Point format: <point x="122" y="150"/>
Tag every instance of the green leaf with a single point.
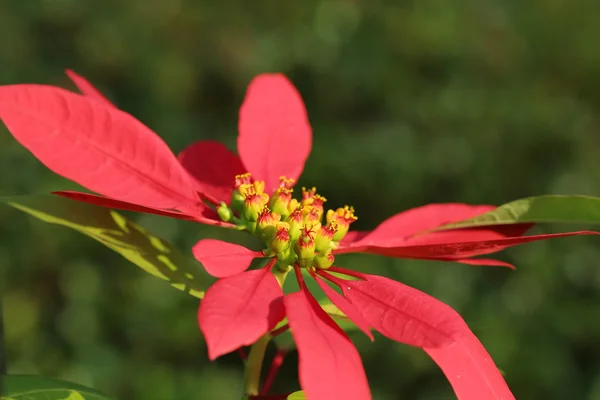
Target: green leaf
<point x="297" y="396"/>
<point x="32" y="387"/>
<point x="151" y="253"/>
<point x="538" y="209"/>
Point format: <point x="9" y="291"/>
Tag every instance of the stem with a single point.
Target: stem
<point x="280" y="330"/>
<point x="2" y="348"/>
<point x="273" y="370"/>
<point x="254" y="366"/>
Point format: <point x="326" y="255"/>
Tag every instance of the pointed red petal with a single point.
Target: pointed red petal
<point x="222" y="259"/>
<point x="410" y="316"/>
<point x="97" y="146"/>
<point x="204" y="215"/>
<point x="86" y="87"/>
<point x="485" y="261"/>
<point x="330" y="366"/>
<point x="345" y="306"/>
<point x="353" y="237"/>
<point x="460" y="250"/>
<point x="214" y="166"/>
<point x="238" y="310"/>
<point x="275" y="137"/>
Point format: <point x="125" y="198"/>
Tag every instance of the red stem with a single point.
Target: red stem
<point x="280" y="330"/>
<point x="273" y="370"/>
<point x="242" y="353"/>
<point x="271" y="262"/>
<point x="353" y="274"/>
<point x="208" y="199"/>
<point x="299" y="277"/>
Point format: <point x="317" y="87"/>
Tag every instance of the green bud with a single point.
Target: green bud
<point x="324" y="260"/>
<point x="305" y="248"/>
<point x="281" y="238"/>
<point x="224" y="212"/>
<point x="296" y="221"/>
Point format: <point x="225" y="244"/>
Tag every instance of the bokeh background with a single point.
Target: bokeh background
<point x="411" y="102"/>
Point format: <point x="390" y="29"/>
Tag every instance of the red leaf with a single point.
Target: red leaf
<point x="238" y="310"/>
<point x="468" y="235"/>
<point x="410" y="222"/>
<point x="330" y="366"/>
<point x="86" y="87"/>
<point x="204" y="215"/>
<point x="275" y="137"/>
<point x="344" y="305"/>
<point x="97" y="146"/>
<point x="470" y="369"/>
<point x="409" y="316"/>
<point x="404" y="228"/>
<point x="460" y="250"/>
<point x="222" y="259"/>
<point x="402" y="313"/>
<point x="214" y="166"/>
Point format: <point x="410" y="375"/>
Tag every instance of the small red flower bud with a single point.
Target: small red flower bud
<point x="281" y="238"/>
<point x="324" y="260"/>
<point x="296" y="221"/>
<point x="237" y="196"/>
<point x="343" y="217"/>
<point x="254" y="202"/>
<point x="311" y="200"/>
<point x="286" y="183"/>
<point x="325" y="236"/>
<point x="266" y="222"/>
<point x="308" y="194"/>
<point x="305" y="247"/>
<point x="281" y="201"/>
<point x="293" y="205"/>
<point x="243" y="179"/>
<point x="313" y="216"/>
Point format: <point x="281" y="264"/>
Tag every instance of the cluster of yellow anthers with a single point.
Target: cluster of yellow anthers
<point x="292" y="230"/>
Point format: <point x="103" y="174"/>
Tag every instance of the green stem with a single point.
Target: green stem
<point x="254" y="366"/>
<point x="2" y="346"/>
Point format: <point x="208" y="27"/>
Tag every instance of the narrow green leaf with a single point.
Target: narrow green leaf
<point x="151" y="253"/>
<point x="538" y="209"/>
<point x="32" y="387"/>
<point x="297" y="396"/>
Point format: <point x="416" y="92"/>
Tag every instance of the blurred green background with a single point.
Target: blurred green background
<point x="411" y="102"/>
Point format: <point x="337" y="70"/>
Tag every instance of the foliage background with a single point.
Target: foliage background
<point x="411" y="102"/>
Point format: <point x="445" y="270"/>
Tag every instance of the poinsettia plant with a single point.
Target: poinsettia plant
<point x="86" y="139"/>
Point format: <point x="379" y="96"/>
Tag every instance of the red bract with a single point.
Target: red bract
<point x="88" y="140"/>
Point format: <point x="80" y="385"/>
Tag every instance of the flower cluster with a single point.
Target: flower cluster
<point x="293" y="231"/>
<point x="86" y="139"/>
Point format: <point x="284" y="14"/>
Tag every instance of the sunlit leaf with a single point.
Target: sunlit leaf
<point x="538" y="209"/>
<point x="299" y="395"/>
<point x="149" y="252"/>
<point x="98" y="146"/>
<point x="31" y="387"/>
